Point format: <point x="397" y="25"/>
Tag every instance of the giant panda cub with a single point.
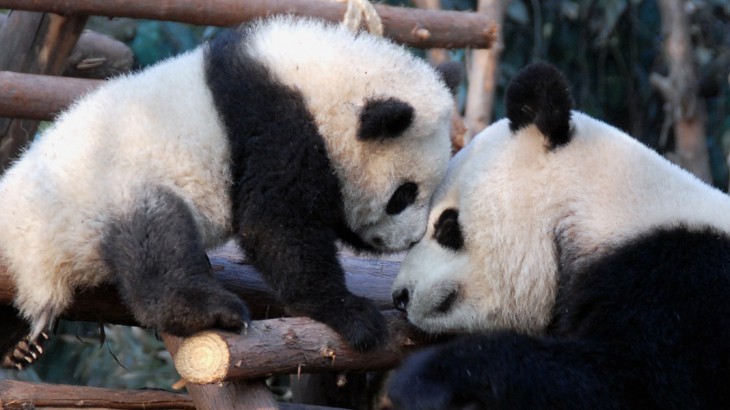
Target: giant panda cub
<point x="287" y="134"/>
<point x="590" y="272"/>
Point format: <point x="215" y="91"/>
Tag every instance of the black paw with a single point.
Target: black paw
<point x="419" y="385"/>
<point x="192" y="310"/>
<point x="24" y="353"/>
<point x="359" y="322"/>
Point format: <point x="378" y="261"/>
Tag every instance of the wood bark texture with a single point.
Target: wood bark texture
<point x="417" y="28"/>
<point x="25" y="395"/>
<point x="16" y="395"/>
<point x="233" y="395"/>
<point x="287" y="346"/>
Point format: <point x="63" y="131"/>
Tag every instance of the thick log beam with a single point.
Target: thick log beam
<point x="39" y="97"/>
<point x="15" y="395"/>
<point x="287" y="346"/>
<point x="415" y="27"/>
<point x="365" y="277"/>
<point x="24" y="395"/>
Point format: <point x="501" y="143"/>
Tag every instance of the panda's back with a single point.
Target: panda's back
<point x="155" y="128"/>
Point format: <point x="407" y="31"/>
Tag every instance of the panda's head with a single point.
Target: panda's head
<point x="532" y="199"/>
<point x="383" y="113"/>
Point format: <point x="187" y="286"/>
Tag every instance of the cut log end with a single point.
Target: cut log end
<point x="203" y="358"/>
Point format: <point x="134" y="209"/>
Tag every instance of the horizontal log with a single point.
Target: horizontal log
<point x="415" y="27"/>
<point x="39" y="97"/>
<point x="365" y="277"/>
<point x="288" y="346"/>
<point x="16" y="395"/>
<point x="25" y="395"/>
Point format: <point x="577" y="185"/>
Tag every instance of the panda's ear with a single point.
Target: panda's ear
<point x="539" y="94"/>
<point x="384" y="119"/>
<point x="452" y="73"/>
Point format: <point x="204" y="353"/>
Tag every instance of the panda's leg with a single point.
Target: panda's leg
<point x="156" y="256"/>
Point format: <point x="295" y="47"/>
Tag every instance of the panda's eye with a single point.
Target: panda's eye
<point x="447" y="230"/>
<point x="404" y="196"/>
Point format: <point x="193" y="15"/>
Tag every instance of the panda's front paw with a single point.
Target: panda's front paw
<point x="191" y="310"/>
<point x="421" y="384"/>
<point x="359" y="322"/>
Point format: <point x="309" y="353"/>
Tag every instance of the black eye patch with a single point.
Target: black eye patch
<point x="447" y="230"/>
<point x="403" y="197"/>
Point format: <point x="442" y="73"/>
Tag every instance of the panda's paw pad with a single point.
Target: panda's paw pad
<point x="361" y="324"/>
<point x="24" y="353"/>
<point x="205" y="309"/>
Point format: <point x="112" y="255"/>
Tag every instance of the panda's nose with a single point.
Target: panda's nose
<point x="401" y="299"/>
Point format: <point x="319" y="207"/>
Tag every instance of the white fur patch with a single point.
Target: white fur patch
<point x="517" y="200"/>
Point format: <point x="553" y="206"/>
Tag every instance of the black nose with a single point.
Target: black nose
<point x="400" y="299"/>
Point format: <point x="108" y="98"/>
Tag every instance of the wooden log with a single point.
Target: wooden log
<point x="234" y="395"/>
<point x="39" y="97"/>
<point x="24" y="395"/>
<point x="16" y="395"/>
<point x="417" y="28"/>
<point x="35" y="43"/>
<point x="365" y="277"/>
<point x="288" y="346"/>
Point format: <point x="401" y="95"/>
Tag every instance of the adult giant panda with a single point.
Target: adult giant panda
<point x="287" y="134"/>
<point x="591" y="272"/>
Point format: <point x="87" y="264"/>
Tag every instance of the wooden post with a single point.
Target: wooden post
<point x="484" y="74"/>
<point x="36" y="43"/>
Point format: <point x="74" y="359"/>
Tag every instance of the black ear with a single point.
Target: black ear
<point x="452" y="73"/>
<point x="384" y="118"/>
<point x="539" y="94"/>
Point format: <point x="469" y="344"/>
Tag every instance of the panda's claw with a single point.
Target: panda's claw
<point x="24" y="353"/>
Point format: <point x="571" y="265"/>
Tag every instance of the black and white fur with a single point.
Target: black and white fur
<point x="287" y="134"/>
<point x="590" y="272"/>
